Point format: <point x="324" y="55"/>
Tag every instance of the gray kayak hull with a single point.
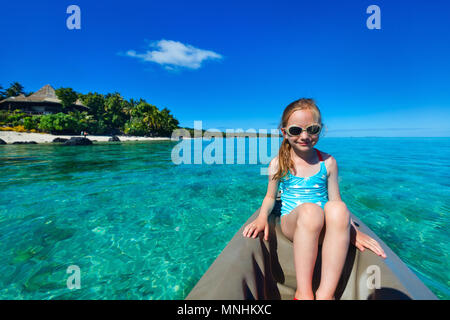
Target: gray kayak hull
<point x="257" y="269"/>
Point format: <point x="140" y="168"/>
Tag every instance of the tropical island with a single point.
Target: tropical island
<point x="64" y="111"/>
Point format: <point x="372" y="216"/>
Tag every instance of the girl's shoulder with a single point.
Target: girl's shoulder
<point x="325" y="156"/>
<point x="329" y="160"/>
<point x="274" y="161"/>
<point x="273" y="165"/>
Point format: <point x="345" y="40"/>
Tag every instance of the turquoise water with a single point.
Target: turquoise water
<point x="141" y="227"/>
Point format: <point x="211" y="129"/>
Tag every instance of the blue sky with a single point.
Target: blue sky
<point x="236" y="64"/>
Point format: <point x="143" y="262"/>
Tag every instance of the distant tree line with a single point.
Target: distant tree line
<point x="108" y="114"/>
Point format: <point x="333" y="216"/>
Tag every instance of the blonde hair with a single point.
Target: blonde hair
<point x="284" y="154"/>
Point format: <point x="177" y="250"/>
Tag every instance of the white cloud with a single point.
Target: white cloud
<point x="171" y="54"/>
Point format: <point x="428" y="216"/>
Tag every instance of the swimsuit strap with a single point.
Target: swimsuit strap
<point x="319" y="155"/>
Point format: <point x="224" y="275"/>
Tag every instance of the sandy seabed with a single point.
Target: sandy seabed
<point x="13" y="136"/>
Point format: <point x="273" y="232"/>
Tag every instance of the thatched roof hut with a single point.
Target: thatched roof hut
<point x="43" y="101"/>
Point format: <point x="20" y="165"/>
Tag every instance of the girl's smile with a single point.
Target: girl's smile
<point x="304" y="141"/>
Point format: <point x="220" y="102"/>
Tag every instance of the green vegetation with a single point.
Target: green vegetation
<point x="67" y="97"/>
<point x="108" y="114"/>
<point x="60" y="123"/>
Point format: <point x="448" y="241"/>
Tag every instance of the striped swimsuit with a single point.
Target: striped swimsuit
<point x="296" y="190"/>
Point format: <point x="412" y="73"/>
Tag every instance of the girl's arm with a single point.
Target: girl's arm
<point x="272" y="190"/>
<point x="360" y="240"/>
<point x="261" y="223"/>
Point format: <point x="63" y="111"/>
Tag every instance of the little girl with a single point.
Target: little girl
<point x="312" y="211"/>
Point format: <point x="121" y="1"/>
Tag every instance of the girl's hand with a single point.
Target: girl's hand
<point x="253" y="228"/>
<point x="362" y="241"/>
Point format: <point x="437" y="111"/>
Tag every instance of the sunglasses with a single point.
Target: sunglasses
<point x="312" y="129"/>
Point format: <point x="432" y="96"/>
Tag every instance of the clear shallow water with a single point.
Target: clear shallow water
<point x="140" y="227"/>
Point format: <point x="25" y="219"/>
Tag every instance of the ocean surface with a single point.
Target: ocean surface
<point x="139" y="226"/>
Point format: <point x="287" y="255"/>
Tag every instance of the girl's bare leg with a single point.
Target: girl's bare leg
<point x="334" y="248"/>
<point x="303" y="226"/>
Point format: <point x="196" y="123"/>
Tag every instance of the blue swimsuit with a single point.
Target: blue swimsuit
<point x="296" y="190"/>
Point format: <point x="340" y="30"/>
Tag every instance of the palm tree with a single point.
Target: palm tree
<point x="126" y="109"/>
<point x="169" y="123"/>
<point x="15" y="89"/>
<point x="2" y="93"/>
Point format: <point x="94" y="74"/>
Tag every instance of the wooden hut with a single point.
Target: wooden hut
<point x="43" y="101"/>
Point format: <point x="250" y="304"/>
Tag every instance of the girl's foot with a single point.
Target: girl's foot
<point x="321" y="296"/>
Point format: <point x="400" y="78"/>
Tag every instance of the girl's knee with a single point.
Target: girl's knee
<point x="337" y="214"/>
<point x="310" y="216"/>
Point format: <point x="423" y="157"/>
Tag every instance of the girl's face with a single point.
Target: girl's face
<point x="303" y="142"/>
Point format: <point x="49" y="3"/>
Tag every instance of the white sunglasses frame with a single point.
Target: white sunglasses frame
<point x="286" y="129"/>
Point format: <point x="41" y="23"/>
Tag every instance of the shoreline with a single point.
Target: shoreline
<point x="45" y="138"/>
<point x="42" y="138"/>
